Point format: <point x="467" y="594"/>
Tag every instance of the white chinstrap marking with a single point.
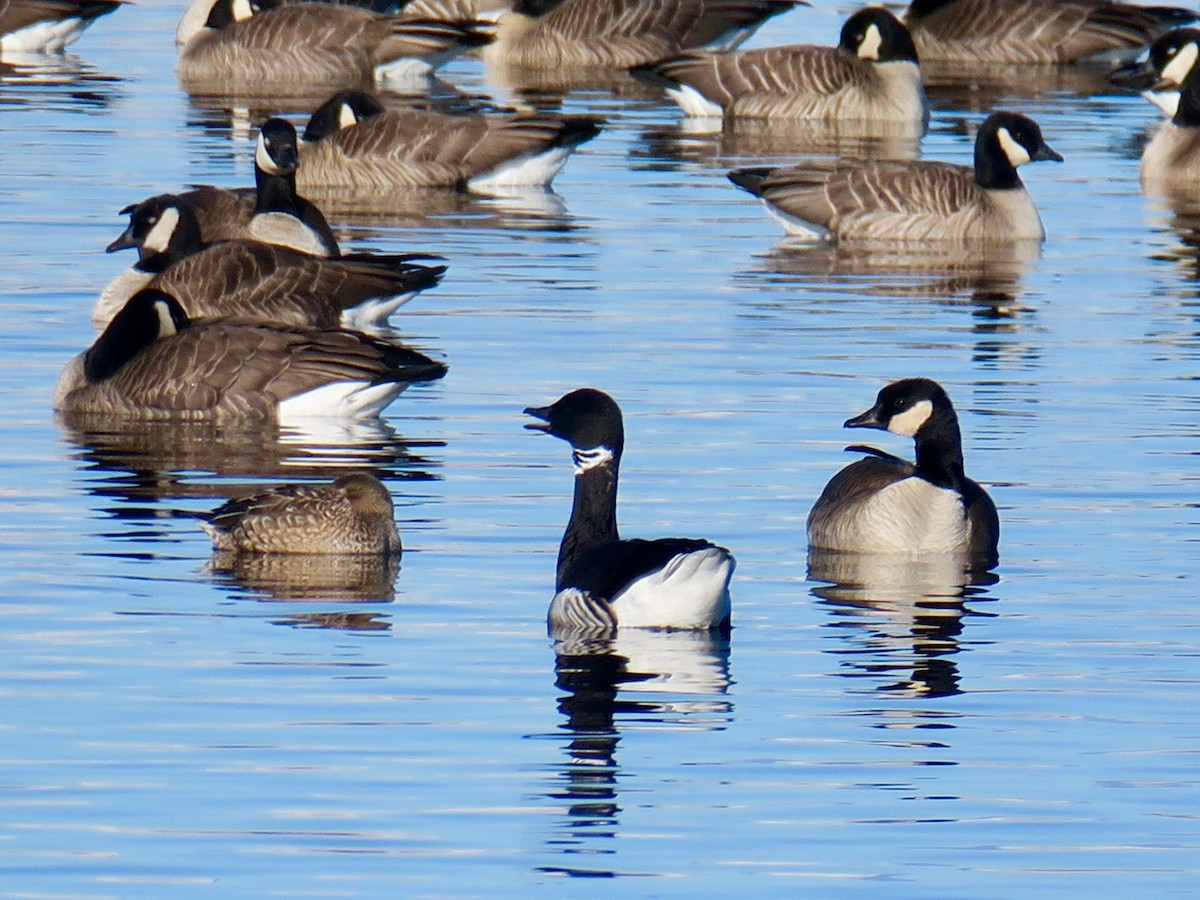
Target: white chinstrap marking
<point x="909" y="422"/>
<point x="346" y="117"/>
<point x="871" y="42"/>
<point x="1013" y="149"/>
<point x="166" y="325"/>
<point x="159" y="237"/>
<point x="263" y="159"/>
<point x="242" y="10"/>
<point x="1181" y="63"/>
<point x="586" y="460"/>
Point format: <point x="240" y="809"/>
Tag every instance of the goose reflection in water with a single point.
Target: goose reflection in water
<point x="721" y="145"/>
<point x="898" y="615"/>
<point x="56" y="81"/>
<point x="638" y="680"/>
<point x="339" y="578"/>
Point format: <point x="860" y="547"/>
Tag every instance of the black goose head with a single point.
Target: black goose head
<point x="343" y="110"/>
<point x="588" y="419"/>
<point x="225" y="12"/>
<point x="148" y="316"/>
<point x="160" y="228"/>
<point x="1005" y="141"/>
<point x="276" y="153"/>
<point x="1173" y="56"/>
<point x="906" y="408"/>
<point x="875" y="34"/>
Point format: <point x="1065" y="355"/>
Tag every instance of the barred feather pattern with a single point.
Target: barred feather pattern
<point x="414" y="148"/>
<point x="802" y="82"/>
<point x="901" y="202"/>
<point x="1028" y="31"/>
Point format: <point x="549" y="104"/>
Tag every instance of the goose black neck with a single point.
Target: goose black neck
<point x="535" y="8"/>
<point x="593" y="521"/>
<point x="921" y="8"/>
<point x="276" y="193"/>
<point x="993" y="169"/>
<point x="939" y="451"/>
<point x="1187" y="115"/>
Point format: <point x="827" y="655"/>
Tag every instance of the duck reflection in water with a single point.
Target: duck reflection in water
<point x="901" y="616"/>
<point x="638" y="680"/>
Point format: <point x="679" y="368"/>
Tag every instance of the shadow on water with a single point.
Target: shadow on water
<point x="636" y="681"/>
<point x="898" y="619"/>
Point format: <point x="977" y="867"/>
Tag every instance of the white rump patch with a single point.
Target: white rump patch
<point x="693" y="103"/>
<point x="586" y="460"/>
<point x="871" y="42"/>
<point x="159" y="237"/>
<point x="797" y="227"/>
<point x="43" y="37"/>
<point x="1016" y="153"/>
<point x="1181" y="63"/>
<point x="341" y="399"/>
<point x="691" y="591"/>
<point x="524" y="171"/>
<point x="909" y="422"/>
<point x="374" y="313"/>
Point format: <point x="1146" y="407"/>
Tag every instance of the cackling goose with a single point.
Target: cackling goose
<point x="256" y="281"/>
<point x="152" y="363"/>
<point x="912" y="201"/>
<point x="870" y="77"/>
<point x="1036" y="31"/>
<point x="353" y="143"/>
<point x="884" y="504"/>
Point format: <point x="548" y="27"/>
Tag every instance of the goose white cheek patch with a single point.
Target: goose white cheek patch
<point x="166" y="325"/>
<point x="1017" y="154"/>
<point x="263" y="159"/>
<point x="871" y="42"/>
<point x="909" y="422"/>
<point x="242" y="10"/>
<point x="586" y="460"/>
<point x="1177" y="69"/>
<point x="158" y="238"/>
<point x="346" y="117"/>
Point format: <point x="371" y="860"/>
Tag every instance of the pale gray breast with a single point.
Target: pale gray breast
<point x="1171" y="160"/>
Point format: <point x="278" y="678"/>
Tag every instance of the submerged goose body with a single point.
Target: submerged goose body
<point x="604" y="582"/>
<point x="153" y="363"/>
<point x="255" y="281"/>
<point x="229" y="46"/>
<point x="352" y="142"/>
<point x="352" y="514"/>
<point x="1036" y="31"/>
<point x="912" y="201"/>
<point x="884" y="504"/>
<point x="548" y="34"/>
<point x="872" y="76"/>
<point x="48" y="26"/>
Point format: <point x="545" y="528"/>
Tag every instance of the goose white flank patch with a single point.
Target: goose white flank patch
<point x="884" y="504"/>
<point x="153" y="363"/>
<point x="871" y="76"/>
<point x="48" y="26"/>
<point x="228" y="46"/>
<point x="604" y="582"/>
<point x="353" y="143"/>
<point x="912" y="201"/>
<point x="256" y="281"/>
<point x="353" y="514"/>
<point x="1037" y="31"/>
<point x="554" y="34"/>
